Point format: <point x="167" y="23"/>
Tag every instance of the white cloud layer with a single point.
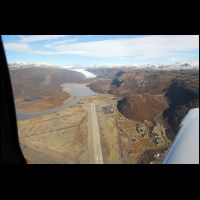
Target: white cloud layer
<point x="67" y="41"/>
<point x="34" y="38"/>
<point x="149" y="46"/>
<point x="18" y="47"/>
<point x="138" y="48"/>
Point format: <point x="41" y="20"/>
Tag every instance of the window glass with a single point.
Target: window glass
<point x="112" y="99"/>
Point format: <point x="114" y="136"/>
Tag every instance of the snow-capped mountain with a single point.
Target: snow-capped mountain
<point x="23" y="65"/>
<point x="174" y="66"/>
<point x="180" y="66"/>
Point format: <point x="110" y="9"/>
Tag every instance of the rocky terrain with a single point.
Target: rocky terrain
<point x="142" y="107"/>
<point x="146" y="93"/>
<point x="138" y="112"/>
<point x="154" y="96"/>
<point x="182" y="95"/>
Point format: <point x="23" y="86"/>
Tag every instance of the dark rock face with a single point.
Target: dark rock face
<point x="119" y="73"/>
<point x="181" y="98"/>
<point x="116" y="82"/>
<point x="122" y="102"/>
<point x="179" y="93"/>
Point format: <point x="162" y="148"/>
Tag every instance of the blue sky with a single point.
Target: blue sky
<point x="101" y="49"/>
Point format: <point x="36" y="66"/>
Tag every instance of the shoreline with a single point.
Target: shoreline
<point x="76" y="91"/>
<point x="27" y="111"/>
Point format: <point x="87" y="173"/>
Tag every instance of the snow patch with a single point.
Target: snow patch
<point x="84" y="72"/>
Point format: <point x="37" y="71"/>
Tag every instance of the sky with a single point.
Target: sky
<point x="70" y="50"/>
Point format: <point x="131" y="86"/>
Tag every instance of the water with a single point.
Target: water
<point x="76" y="90"/>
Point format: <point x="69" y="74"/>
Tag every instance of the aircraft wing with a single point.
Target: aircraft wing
<point x="185" y="148"/>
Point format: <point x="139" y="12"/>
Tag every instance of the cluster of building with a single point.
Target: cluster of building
<point x="156" y="135"/>
<point x="138" y="131"/>
<point x="108" y="109"/>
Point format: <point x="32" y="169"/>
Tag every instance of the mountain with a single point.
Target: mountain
<point x="141" y="107"/>
<point x="35" y="85"/>
<point x="180" y="66"/>
<point x="23" y="65"/>
<point x="92" y="68"/>
<point x="149" y="94"/>
<point x="173" y="66"/>
<point x="182" y="95"/>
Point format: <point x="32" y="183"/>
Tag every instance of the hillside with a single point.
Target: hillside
<point x="146" y="93"/>
<point x="142" y="107"/>
<point x="38" y="88"/>
<point x="182" y="95"/>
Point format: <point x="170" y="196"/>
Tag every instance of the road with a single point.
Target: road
<point x="94" y="144"/>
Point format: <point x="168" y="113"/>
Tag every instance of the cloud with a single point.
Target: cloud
<point x="25" y="48"/>
<point x="19" y="47"/>
<point x="35" y="38"/>
<point x="148" y="46"/>
<point x="52" y="45"/>
<point x="123" y="58"/>
<point x="138" y="48"/>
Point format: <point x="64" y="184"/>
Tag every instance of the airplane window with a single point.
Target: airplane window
<point x="101" y="99"/>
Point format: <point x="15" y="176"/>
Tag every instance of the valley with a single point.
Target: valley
<point x="65" y="136"/>
<point x="118" y="116"/>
